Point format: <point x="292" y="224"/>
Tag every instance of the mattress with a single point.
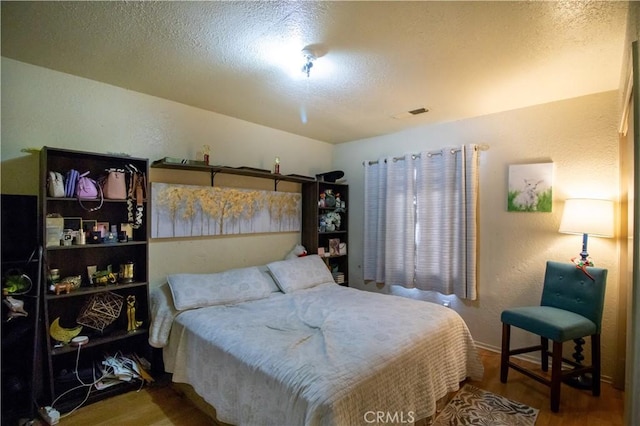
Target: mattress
<point x="326" y="355"/>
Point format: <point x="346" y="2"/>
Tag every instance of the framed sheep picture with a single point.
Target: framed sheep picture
<point x="530" y="187"/>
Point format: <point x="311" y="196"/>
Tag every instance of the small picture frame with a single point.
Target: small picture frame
<point x="530" y="188"/>
<point x="89" y="225"/>
<point x="73" y="223"/>
<point x="321" y="251"/>
<point x="334" y="246"/>
<point x="103" y="228"/>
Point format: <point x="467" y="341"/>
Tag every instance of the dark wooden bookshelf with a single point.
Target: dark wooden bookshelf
<point x="72" y="260"/>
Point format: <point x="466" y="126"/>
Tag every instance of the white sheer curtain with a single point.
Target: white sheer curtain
<point x="420" y="221"/>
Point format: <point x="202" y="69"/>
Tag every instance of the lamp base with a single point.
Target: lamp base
<point x="583" y="381"/>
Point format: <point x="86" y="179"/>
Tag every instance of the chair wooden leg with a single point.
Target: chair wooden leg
<point x="544" y="353"/>
<point x="504" y="356"/>
<point x="595" y="363"/>
<point x="556" y="376"/>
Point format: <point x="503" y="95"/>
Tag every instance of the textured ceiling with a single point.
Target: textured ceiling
<point x="379" y="59"/>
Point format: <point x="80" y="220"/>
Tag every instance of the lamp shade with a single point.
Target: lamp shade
<point x="587" y="216"/>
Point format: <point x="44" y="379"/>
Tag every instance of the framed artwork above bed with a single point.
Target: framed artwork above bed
<point x="200" y="211"/>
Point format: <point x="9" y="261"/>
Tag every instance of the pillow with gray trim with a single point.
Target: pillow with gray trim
<point x="228" y="287"/>
<point x="300" y="273"/>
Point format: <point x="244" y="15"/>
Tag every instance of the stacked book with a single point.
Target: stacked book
<point x="173" y="160"/>
<point x="338" y="277"/>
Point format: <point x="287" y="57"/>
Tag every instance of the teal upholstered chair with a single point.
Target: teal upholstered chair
<point x="571" y="308"/>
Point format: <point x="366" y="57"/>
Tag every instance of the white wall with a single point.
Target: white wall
<point x="41" y="107"/>
<point x="579" y="136"/>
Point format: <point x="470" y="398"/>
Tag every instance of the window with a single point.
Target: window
<point x="420" y="221"/>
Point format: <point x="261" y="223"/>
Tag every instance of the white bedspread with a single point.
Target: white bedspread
<point x="328" y="355"/>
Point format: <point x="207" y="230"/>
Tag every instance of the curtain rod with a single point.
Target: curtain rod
<point x="483" y="147"/>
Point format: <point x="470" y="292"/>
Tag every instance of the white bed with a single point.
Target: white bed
<point x="314" y="353"/>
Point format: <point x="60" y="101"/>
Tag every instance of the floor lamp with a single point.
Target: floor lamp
<point x="586" y="217"/>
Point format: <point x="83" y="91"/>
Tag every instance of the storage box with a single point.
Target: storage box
<point x="55" y="227"/>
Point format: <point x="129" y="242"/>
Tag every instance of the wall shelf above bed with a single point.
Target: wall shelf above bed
<point x="241" y="171"/>
<point x="314" y="237"/>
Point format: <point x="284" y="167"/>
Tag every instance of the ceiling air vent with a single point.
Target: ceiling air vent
<point x="411" y="113"/>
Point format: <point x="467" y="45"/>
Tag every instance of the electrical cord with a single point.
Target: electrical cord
<point x="108" y="370"/>
<point x="82" y="385"/>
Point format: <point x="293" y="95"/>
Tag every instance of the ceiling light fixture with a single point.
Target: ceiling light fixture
<point x="309" y="56"/>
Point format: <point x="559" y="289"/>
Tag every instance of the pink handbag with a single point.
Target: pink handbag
<point x="114" y="185"/>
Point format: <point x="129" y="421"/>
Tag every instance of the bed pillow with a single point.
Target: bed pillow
<point x="264" y="270"/>
<point x="300" y="273"/>
<point x="233" y="286"/>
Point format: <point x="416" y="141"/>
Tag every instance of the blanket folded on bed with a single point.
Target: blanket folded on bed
<point x="162" y="315"/>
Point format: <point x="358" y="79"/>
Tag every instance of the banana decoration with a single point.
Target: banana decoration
<point x="63" y="335"/>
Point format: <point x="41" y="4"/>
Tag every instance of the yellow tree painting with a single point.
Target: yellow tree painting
<point x="196" y="211"/>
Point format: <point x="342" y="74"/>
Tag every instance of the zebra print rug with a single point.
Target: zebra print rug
<point x="474" y="406"/>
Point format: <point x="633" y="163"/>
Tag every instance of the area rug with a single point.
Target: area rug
<point x="474" y="406"/>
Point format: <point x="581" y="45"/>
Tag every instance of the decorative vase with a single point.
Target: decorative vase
<point x="331" y="227"/>
<point x="330" y="200"/>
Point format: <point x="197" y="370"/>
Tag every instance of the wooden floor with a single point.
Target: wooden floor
<point x="162" y="405"/>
